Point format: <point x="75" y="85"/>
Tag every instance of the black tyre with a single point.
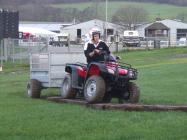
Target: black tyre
<point x="94" y="89"/>
<point x="132" y="94"/>
<point x="34" y="88"/>
<point x="66" y="89"/>
<point x="107" y="97"/>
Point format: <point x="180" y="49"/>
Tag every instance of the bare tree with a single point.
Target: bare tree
<point x="130" y="16"/>
<point x="182" y="17"/>
<point x="22" y="2"/>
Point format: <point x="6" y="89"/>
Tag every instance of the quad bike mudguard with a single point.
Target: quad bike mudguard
<point x="78" y="74"/>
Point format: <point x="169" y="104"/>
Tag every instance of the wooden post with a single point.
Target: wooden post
<point x="169" y="45"/>
<point x="68" y="42"/>
<point x="186" y="39"/>
<point x="117" y="40"/>
<point x="146" y="36"/>
<point x="1" y="54"/>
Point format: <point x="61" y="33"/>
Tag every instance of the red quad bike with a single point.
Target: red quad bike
<point x="101" y="81"/>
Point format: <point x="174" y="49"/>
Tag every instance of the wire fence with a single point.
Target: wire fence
<point x="20" y="49"/>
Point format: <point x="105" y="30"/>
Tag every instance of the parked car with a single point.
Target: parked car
<point x="182" y="42"/>
<point x="59" y="40"/>
<point x="131" y="38"/>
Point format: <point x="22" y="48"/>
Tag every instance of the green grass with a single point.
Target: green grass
<point x="17" y="67"/>
<point x="162" y="74"/>
<point x="155" y="10"/>
<point x="162" y="80"/>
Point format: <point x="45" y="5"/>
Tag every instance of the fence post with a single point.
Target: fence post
<point x="13" y="50"/>
<point x="117" y="40"/>
<point x="1" y="54"/>
<point x="68" y="44"/>
<point x="169" y="39"/>
<point x="147" y="44"/>
<point x="5" y="45"/>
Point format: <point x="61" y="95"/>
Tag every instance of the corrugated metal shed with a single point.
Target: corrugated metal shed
<point x="86" y="26"/>
<point x="173" y="26"/>
<point x="157" y="26"/>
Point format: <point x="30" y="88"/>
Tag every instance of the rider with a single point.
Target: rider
<point x="94" y="47"/>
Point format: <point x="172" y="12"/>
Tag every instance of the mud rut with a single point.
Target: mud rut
<point x="122" y="107"/>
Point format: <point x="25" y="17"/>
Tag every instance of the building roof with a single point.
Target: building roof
<point x="174" y="23"/>
<point x="157" y="26"/>
<point x="51" y="26"/>
<point x="168" y="23"/>
<point x="36" y="31"/>
<point x="94" y="22"/>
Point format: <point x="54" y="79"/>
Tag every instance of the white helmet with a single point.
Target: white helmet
<point x="94" y="31"/>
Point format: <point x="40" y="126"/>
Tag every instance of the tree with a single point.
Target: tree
<point x="130" y="16"/>
<point x="182" y="17"/>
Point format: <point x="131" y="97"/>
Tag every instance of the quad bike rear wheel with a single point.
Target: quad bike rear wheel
<point x="94" y="89"/>
<point x="66" y="89"/>
<point x="132" y="94"/>
<point x="34" y="88"/>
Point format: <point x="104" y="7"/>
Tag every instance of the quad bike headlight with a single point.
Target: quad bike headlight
<point x="131" y="73"/>
<point x="111" y="71"/>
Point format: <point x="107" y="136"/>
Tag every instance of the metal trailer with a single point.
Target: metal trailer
<point x="48" y="70"/>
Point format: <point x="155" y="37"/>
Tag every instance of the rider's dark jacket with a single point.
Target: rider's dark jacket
<point x="97" y="57"/>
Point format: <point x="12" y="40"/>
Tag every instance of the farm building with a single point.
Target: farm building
<point x="78" y="31"/>
<point x="50" y="26"/>
<point x="171" y="30"/>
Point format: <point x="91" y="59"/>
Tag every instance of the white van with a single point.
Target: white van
<point x="131" y="38"/>
<point x="60" y="39"/>
<point x="182" y="42"/>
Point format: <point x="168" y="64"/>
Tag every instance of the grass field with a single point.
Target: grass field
<point x="162" y="79"/>
<point x="155" y="10"/>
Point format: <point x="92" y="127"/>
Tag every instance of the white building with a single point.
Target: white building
<point x="77" y="31"/>
<point x="171" y="30"/>
<point x="37" y="32"/>
<point x="50" y="26"/>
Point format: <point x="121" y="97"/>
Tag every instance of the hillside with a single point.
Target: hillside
<point x="155" y="10"/>
<point x="60" y="11"/>
<point x="22" y="2"/>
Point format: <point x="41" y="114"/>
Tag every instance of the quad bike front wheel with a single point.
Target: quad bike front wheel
<point x="107" y="97"/>
<point x="34" y="88"/>
<point x="94" y="89"/>
<point x="132" y="94"/>
<point x="66" y="89"/>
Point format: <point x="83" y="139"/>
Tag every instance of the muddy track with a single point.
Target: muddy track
<point x="122" y="107"/>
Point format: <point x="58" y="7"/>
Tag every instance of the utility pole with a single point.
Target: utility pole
<point x="106" y="19"/>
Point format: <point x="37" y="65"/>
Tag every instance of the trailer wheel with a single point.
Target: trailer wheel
<point x="94" y="89"/>
<point x="66" y="89"/>
<point x="133" y="93"/>
<point x="34" y="88"/>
